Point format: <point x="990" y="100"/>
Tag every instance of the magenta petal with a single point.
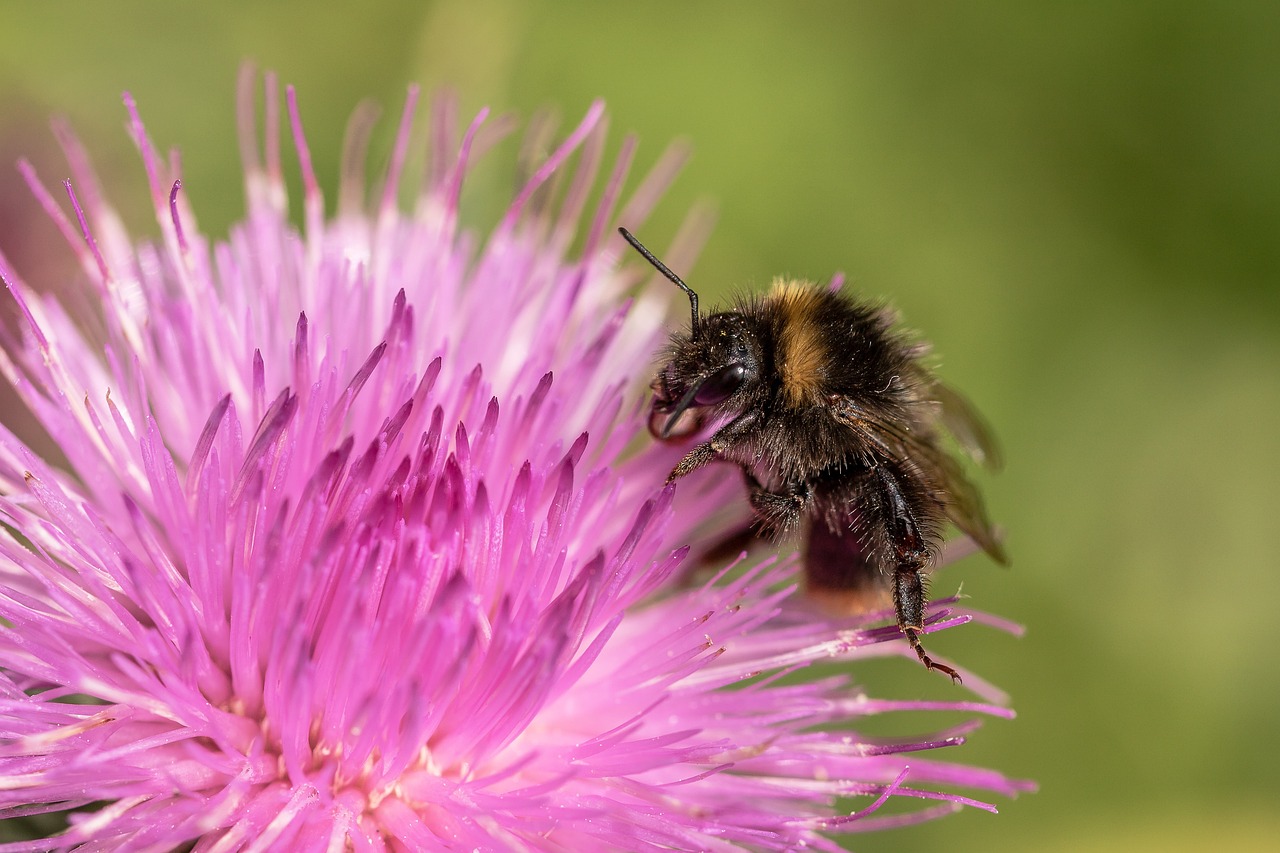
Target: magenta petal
<point x="355" y="549"/>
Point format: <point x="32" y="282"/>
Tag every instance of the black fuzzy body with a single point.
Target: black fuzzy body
<point x="833" y="420"/>
<point x="813" y="350"/>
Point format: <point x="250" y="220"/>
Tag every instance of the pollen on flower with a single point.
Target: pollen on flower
<point x="356" y="547"/>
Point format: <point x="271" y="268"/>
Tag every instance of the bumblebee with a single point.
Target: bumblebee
<point x="836" y="424"/>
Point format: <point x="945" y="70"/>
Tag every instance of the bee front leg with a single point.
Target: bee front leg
<point x="716" y="447"/>
<point x="901" y="510"/>
<point x="695" y="459"/>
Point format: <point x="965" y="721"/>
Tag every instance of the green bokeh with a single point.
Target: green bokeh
<point x="1077" y="202"/>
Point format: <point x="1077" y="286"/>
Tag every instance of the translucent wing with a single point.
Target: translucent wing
<point x="969" y="428"/>
<point x="961" y="498"/>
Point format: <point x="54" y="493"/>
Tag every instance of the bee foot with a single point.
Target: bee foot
<point x="929" y="662"/>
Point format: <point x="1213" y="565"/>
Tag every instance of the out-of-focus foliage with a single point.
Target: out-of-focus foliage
<point x="1078" y="204"/>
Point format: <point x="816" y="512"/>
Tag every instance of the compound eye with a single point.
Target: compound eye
<point x="720" y="385"/>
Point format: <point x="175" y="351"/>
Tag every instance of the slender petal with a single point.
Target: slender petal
<point x="356" y="546"/>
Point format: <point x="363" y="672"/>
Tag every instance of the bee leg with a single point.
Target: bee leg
<point x="911" y="556"/>
<point x="777" y="512"/>
<point x="908" y="600"/>
<point x="693" y="460"/>
<point x="712" y="449"/>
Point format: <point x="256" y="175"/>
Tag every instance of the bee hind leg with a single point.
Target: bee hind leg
<point x="910" y="556"/>
<point x="908" y="600"/>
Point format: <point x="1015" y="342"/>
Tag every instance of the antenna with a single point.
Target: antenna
<point x="662" y="268"/>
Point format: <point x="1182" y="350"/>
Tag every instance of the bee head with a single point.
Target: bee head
<point x="716" y="362"/>
<point x="717" y="367"/>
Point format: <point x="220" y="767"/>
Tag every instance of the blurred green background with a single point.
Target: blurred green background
<point x="1078" y="203"/>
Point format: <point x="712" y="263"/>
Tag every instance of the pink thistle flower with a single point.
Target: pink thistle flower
<point x="353" y="547"/>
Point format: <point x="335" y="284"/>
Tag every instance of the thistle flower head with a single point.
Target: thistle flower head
<point x="353" y="547"/>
